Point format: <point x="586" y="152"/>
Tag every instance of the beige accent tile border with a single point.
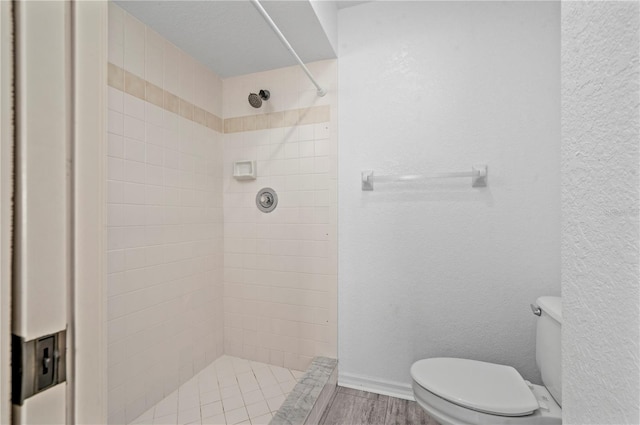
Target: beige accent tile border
<point x="155" y="95"/>
<point x="171" y="102"/>
<point x="115" y="77"/>
<point x="186" y="110"/>
<point x="130" y="83"/>
<point x="134" y="85"/>
<point x="289" y="118"/>
<point x="125" y="81"/>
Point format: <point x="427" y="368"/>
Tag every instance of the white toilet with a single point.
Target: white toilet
<point x="460" y="391"/>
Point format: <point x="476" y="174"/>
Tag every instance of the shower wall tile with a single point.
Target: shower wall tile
<point x="116" y="35"/>
<point x="164" y="226"/>
<point x="280" y="269"/>
<point x="134" y="45"/>
<point x="143" y="53"/>
<point x="171" y="73"/>
<point x="154" y="57"/>
<point x="186" y="67"/>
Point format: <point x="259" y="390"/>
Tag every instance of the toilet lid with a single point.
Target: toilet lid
<point x="485" y="387"/>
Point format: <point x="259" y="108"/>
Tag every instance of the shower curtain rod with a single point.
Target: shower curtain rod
<point x="265" y="15"/>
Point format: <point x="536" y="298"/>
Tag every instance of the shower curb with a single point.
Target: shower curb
<point x="308" y="399"/>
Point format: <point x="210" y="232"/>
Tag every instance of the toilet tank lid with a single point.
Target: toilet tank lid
<point x="552" y="306"/>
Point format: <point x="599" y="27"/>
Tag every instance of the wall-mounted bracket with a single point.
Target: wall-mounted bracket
<point x="479" y="176"/>
<point x="367" y="180"/>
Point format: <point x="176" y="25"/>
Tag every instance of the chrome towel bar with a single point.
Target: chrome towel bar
<point x="478" y="176"/>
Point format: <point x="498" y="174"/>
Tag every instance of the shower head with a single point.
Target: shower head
<point x="255" y="100"/>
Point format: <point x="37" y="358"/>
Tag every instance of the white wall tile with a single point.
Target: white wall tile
<point x="186" y="69"/>
<point x="171" y="68"/>
<point x="170" y="140"/>
<point x="154" y="58"/>
<point x="133" y="106"/>
<point x="115" y="235"/>
<point x="155" y="154"/>
<point x="155" y="175"/>
<point x="114" y="192"/>
<point x="172" y="159"/>
<point x="133" y="193"/>
<point x="115" y="145"/>
<point x="116" y="24"/>
<point x="135" y="258"/>
<point x="154" y="214"/>
<point x="134" y="150"/>
<point x="134" y="172"/>
<point x="115" y="99"/>
<point x="115" y="122"/>
<point x="115" y="169"/>
<point x="116" y="54"/>
<point x="154" y="114"/>
<point x="155" y="195"/>
<point x="116" y="35"/>
<point x="155" y="135"/>
<point x="115" y="261"/>
<point x="134" y="42"/>
<point x="133" y="215"/>
<point x="134" y="128"/>
<point x="199" y="81"/>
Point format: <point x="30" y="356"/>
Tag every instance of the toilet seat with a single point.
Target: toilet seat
<point x="484" y="387"/>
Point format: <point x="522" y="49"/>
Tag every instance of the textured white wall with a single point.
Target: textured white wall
<point x="600" y="195"/>
<point x="444" y="269"/>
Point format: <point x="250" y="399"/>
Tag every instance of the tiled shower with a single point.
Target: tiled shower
<point x="280" y="268"/>
<point x="195" y="271"/>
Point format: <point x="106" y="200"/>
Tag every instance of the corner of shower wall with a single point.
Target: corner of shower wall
<point x="164" y="217"/>
<point x="280" y="268"/>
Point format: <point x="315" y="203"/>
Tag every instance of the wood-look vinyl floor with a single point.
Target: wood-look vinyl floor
<point x="353" y="407"/>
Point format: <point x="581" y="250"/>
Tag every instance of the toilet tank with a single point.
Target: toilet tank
<point x="548" y="352"/>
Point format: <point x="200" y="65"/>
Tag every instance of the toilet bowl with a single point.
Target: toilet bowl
<point x="463" y="392"/>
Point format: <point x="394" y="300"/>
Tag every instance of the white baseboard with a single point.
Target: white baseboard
<point x="375" y="385"/>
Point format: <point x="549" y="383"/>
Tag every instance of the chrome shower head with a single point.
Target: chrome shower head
<point x="255" y="100"/>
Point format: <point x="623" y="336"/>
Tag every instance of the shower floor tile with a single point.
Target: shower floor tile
<point x="229" y="391"/>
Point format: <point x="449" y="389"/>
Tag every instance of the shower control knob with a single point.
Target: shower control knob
<point x="266" y="200"/>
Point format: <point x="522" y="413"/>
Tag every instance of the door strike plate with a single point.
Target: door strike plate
<point x="37" y="365"/>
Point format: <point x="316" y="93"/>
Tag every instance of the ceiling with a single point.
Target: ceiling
<point x="232" y="38"/>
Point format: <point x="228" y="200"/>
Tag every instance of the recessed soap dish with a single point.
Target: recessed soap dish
<point x="244" y="170"/>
